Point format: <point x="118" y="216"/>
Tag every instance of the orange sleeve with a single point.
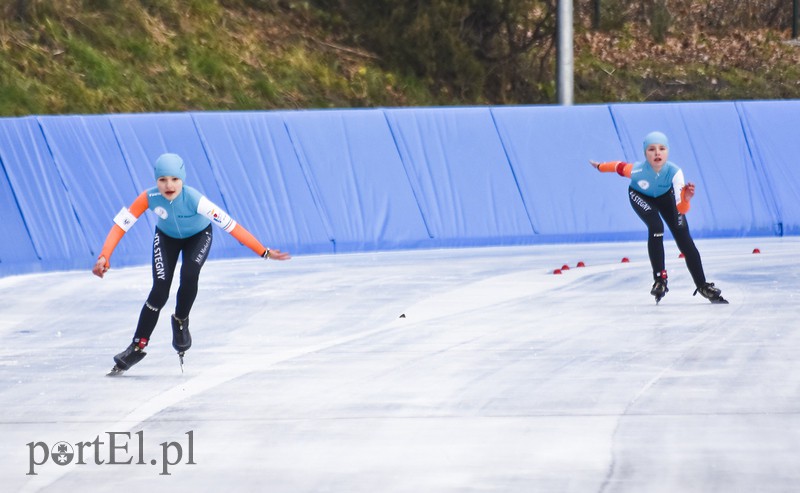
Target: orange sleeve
<point x="111" y="242"/>
<point x="245" y="237"/>
<point x="139" y="205"/>
<point x="137" y="208"/>
<point x="620" y="167"/>
<point x="683" y="205"/>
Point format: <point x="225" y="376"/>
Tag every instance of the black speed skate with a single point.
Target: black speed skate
<point x="711" y="293"/>
<point x="181" y="338"/>
<point x="132" y="355"/>
<point x="660" y="286"/>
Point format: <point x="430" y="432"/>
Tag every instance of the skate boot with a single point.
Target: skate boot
<point x="132" y="355"/>
<point x="711" y="293"/>
<point x="660" y="286"/>
<point x="181" y="338"/>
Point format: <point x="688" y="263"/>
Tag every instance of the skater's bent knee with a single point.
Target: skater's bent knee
<point x="156" y="301"/>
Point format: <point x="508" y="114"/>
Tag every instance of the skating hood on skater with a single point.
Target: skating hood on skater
<point x="655" y="138"/>
<point x="170" y="165"/>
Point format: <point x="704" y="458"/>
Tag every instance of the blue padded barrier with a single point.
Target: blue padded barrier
<point x="94" y="171"/>
<point x="260" y="177"/>
<point x="356" y="177"/>
<point x="41" y="196"/>
<point x="707" y="142"/>
<point x="460" y="175"/>
<point x="772" y="134"/>
<point x="17" y="254"/>
<point x="549" y="148"/>
<point x="357" y="180"/>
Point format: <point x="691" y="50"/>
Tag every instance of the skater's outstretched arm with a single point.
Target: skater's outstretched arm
<point x="122" y="223"/>
<point x="620" y="167"/>
<point x="250" y="241"/>
<point x="227" y="223"/>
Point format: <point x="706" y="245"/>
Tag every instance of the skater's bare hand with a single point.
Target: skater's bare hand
<point x="594" y="164"/>
<point x="275" y="254"/>
<point x="100" y="267"/>
<point x="688" y="191"/>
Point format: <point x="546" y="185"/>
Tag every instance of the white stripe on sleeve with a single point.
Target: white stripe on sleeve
<point x="216" y="214"/>
<point x="678" y="184"/>
<point x="124" y="219"/>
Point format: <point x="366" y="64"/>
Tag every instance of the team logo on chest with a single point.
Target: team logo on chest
<point x="161" y="212"/>
<point x="643" y="184"/>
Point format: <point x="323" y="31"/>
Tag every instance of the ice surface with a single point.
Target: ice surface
<point x="501" y="377"/>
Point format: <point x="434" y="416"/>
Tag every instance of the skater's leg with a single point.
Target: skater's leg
<point x="647" y="212"/>
<point x="679" y="227"/>
<point x="690" y="253"/>
<point x="165" y="258"/>
<point x="195" y="252"/>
